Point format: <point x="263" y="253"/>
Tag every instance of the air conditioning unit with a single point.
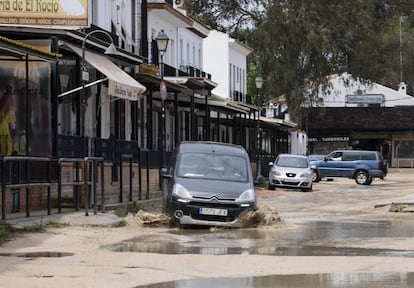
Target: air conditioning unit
<point x="178" y="3"/>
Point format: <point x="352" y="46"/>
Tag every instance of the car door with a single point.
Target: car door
<point x="350" y="160"/>
<point x="331" y="165"/>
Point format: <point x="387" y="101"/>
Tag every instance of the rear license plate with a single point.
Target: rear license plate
<point x="213" y="211"/>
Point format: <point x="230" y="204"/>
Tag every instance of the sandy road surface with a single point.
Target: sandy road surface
<point x="92" y="266"/>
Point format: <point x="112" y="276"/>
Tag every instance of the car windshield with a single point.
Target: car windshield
<point x="295" y="162"/>
<point x="215" y="167"/>
<point x="316" y="157"/>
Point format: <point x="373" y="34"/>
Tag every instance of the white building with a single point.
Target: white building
<point x="225" y="58"/>
<point x="345" y="91"/>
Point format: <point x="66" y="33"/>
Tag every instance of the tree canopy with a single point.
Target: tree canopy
<point x="297" y="43"/>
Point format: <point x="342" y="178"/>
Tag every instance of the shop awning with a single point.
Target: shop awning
<point x="21" y="48"/>
<point x="195" y="83"/>
<point x="120" y="85"/>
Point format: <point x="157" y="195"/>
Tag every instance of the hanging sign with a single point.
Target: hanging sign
<point x="58" y="14"/>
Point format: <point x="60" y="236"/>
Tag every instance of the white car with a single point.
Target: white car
<point x="291" y="171"/>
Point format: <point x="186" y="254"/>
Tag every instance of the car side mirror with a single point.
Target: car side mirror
<point x="270" y="163"/>
<point x="165" y="174"/>
<point x="325" y="159"/>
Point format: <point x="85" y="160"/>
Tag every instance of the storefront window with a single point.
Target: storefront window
<point x="25" y="108"/>
<point x="404" y="149"/>
<point x="68" y="80"/>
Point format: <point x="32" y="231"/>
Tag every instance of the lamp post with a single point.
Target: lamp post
<point x="259" y="84"/>
<point x="111" y="50"/>
<point x="162" y="44"/>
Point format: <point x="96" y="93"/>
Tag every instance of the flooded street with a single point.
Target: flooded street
<point x="313" y="239"/>
<point x="339" y="235"/>
<point x="335" y="280"/>
<point x="339" y="218"/>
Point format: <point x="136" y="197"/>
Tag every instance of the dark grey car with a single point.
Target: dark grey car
<point x="208" y="183"/>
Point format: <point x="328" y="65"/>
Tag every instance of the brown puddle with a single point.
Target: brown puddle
<point x="331" y="280"/>
<point x="273" y="237"/>
<point x="44" y="254"/>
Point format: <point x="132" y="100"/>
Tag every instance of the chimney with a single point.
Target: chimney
<point x="402" y="88"/>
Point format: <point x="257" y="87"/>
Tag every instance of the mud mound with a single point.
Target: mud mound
<point x="146" y="219"/>
<point x="397" y="207"/>
<point x="262" y="217"/>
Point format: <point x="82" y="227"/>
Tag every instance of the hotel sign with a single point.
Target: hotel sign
<point x="58" y="14"/>
<point x="365" y="99"/>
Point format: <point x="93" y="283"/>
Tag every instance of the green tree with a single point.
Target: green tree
<point x="228" y="16"/>
<point x="298" y="44"/>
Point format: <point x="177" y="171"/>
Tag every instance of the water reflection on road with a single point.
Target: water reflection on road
<point x="319" y="238"/>
<point x="332" y="280"/>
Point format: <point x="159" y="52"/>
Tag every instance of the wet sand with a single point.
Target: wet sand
<point x="91" y="265"/>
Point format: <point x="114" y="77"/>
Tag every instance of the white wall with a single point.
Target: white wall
<point x="298" y="142"/>
<point x="216" y="61"/>
<point x="238" y="60"/>
<point x="225" y="59"/>
<point x="102" y="13"/>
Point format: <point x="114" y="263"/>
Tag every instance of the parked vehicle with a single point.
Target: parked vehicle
<point x="208" y="183"/>
<point x="315" y="157"/>
<point x="361" y="165"/>
<point x="290" y="171"/>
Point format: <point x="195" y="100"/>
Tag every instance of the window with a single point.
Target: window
<point x="351" y="156"/>
<point x="188" y="52"/>
<point x="181" y="52"/>
<point x="368" y="156"/>
<point x="404" y="149"/>
<point x="194" y="56"/>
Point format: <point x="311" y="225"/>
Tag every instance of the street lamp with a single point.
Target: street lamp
<point x="259" y="177"/>
<point x="162" y="44"/>
<point x="111" y="50"/>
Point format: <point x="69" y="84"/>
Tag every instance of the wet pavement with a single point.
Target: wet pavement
<point x="42" y="254"/>
<point x="337" y="219"/>
<point x="332" y="280"/>
<point x="322" y="238"/>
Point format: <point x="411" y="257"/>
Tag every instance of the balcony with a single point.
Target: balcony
<point x="185" y="71"/>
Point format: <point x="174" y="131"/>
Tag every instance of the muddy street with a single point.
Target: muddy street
<point x="340" y="235"/>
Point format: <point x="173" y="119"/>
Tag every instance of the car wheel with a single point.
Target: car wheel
<point x="363" y="178"/>
<point x="315" y="176"/>
<point x="270" y="187"/>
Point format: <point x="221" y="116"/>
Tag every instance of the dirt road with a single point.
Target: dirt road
<point x="79" y="259"/>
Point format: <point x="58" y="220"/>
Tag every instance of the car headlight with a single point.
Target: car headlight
<point x="247" y="196"/>
<point x="305" y="175"/>
<point x="276" y="173"/>
<point x="180" y="191"/>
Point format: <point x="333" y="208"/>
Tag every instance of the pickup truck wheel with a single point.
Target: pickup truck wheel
<point x="362" y="178"/>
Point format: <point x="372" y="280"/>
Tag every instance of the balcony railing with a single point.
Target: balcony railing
<point x="109" y="149"/>
<point x="185" y="71"/>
